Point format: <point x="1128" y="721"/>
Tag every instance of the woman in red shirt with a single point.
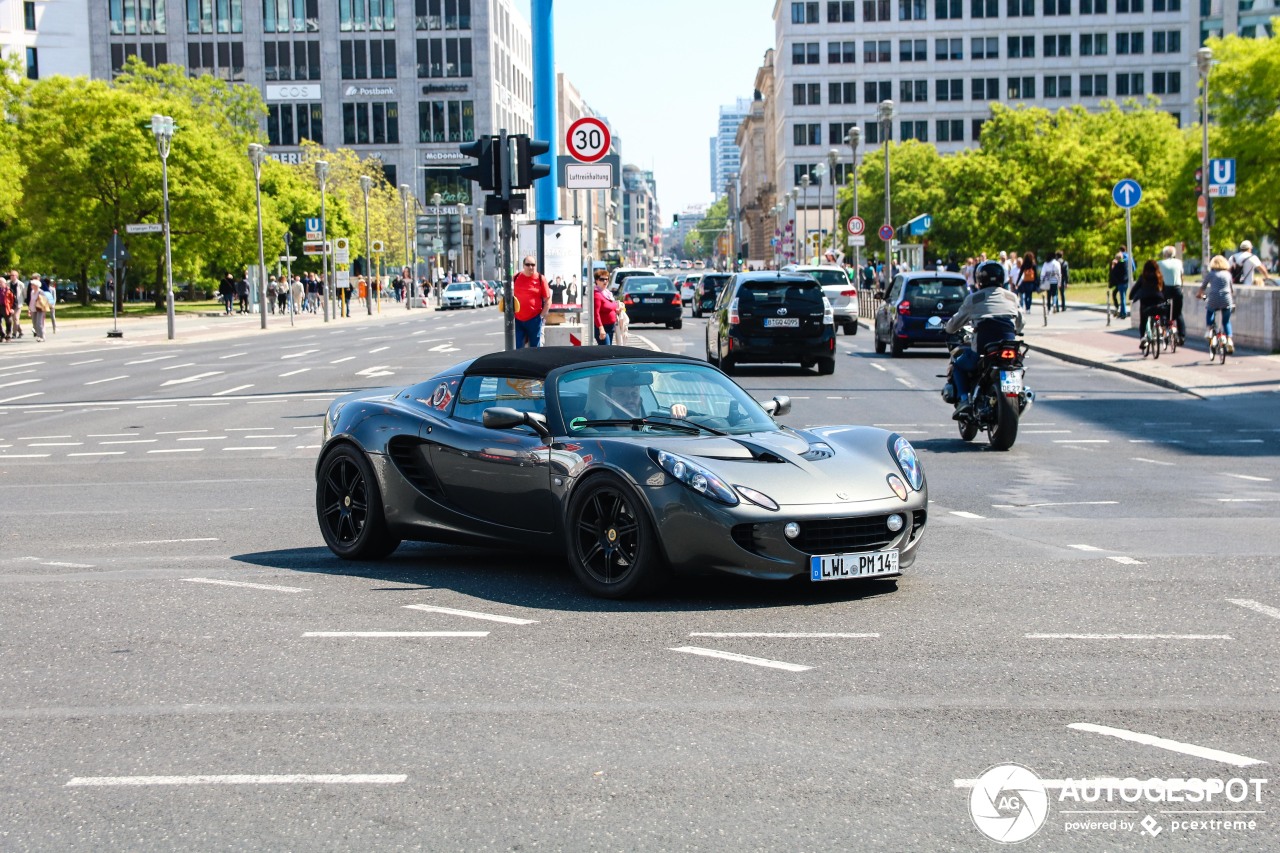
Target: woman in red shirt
<point x="606" y="309"/>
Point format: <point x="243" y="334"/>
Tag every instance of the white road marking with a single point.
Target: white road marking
<point x="113" y="435"/>
<point x="1062" y="503"/>
<point x="24" y="455"/>
<point x="99" y="453"/>
<point x="131" y="441"/>
<point x="294" y="372"/>
<point x="108" y="379"/>
<point x="55" y="444"/>
<point x="963" y="514"/>
<point x="39" y="437"/>
<point x="765" y="662"/>
<point x="471" y="614"/>
<point x="179" y="431"/>
<point x="784" y="635"/>
<point x="396" y="634"/>
<point x="307" y="447"/>
<point x="18" y="382"/>
<point x="195" y="378"/>
<point x="298" y="354"/>
<point x="232" y="390"/>
<point x="18" y="373"/>
<point x="1082" y="441"/>
<point x="249" y="448"/>
<point x="1129" y="637"/>
<point x="86" y="361"/>
<point x="273" y="435"/>
<point x="271" y="587"/>
<point x="22" y="397"/>
<point x="69" y="565"/>
<point x="1086" y="548"/>
<point x="904" y="381"/>
<point x="1152" y="461"/>
<point x="160" y="406"/>
<point x="176" y="366"/>
<point x="170" y="541"/>
<point x="1127" y="561"/>
<point x="377" y="349"/>
<point x="231" y="355"/>
<point x="1247" y="500"/>
<point x="879" y="367"/>
<point x="290" y="779"/>
<point x="179" y="450"/>
<point x="1171" y="745"/>
<point x="1248" y="477"/>
<point x="341" y="360"/>
<point x="1235" y="441"/>
<point x="1265" y="609"/>
<point x="149" y="360"/>
<point x="248" y="429"/>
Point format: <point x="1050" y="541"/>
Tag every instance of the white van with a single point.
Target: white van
<point x="622" y="273"/>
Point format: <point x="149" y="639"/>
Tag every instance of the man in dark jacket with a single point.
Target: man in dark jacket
<point x="227" y="290"/>
<point x="994" y="312"/>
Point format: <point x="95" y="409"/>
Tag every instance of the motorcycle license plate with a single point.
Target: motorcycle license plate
<point x="1011" y="381"/>
<point x="838" y="567"/>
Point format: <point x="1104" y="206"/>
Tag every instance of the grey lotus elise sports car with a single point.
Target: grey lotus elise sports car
<point x="629" y="463"/>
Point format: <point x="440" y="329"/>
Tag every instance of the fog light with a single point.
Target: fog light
<point x="894" y="522"/>
<point x="792" y="530"/>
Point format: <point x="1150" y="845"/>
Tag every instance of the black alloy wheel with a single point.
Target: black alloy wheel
<point x="612" y="547"/>
<point x="349" y="507"/>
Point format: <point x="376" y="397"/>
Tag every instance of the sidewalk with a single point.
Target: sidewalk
<point x="1081" y="335"/>
<point x="189" y="328"/>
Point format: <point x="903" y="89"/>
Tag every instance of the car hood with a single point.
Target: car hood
<point x="782" y="465"/>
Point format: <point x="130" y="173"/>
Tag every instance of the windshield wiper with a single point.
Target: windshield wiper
<point x="711" y="430"/>
<point x="637" y="423"/>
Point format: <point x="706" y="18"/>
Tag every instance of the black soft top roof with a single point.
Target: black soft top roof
<point x="537" y="362"/>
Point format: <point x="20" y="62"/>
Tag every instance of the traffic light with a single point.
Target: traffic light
<point x="484" y="172"/>
<point x="675" y="220"/>
<point x="1199" y="181"/>
<point x="527" y="171"/>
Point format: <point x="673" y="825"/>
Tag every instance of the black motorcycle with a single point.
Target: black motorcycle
<point x="1000" y="395"/>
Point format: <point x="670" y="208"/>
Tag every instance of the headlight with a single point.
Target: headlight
<point x="757" y="498"/>
<point x="695" y="477"/>
<point x="907" y="461"/>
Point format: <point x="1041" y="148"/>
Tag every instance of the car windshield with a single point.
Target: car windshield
<point x="935" y="288"/>
<point x="632" y="391"/>
<point x="458" y="286"/>
<point x="648" y="285"/>
<point x="778" y="293"/>
<point x="829" y="277"/>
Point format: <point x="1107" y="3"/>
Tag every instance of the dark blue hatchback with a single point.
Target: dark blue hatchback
<point x="916" y="309"/>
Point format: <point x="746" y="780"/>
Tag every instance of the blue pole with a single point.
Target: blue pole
<point x="544" y="105"/>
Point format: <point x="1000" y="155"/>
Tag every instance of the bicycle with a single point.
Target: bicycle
<point x="1218" y="341"/>
<point x="1155" y="335"/>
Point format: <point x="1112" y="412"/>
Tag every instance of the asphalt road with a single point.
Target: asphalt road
<point x="1100" y="602"/>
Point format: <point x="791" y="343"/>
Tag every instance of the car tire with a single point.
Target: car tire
<point x="349" y="507"/>
<point x="729" y="364"/>
<point x="896" y="349"/>
<point x="612" y="546"/>
<point x="678" y="324"/>
<point x="880" y="346"/>
<point x="851" y="328"/>
<point x="826" y="366"/>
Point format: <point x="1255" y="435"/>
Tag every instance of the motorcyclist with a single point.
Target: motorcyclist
<point x="995" y="315"/>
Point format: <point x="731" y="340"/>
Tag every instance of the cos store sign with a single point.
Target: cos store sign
<point x="293" y="91"/>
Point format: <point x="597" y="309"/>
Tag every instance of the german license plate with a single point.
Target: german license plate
<point x="781" y="322"/>
<point x="1011" y="381"/>
<point x="838" y="567"/>
<point x="655" y="301"/>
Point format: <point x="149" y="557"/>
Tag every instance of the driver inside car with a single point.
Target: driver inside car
<point x="622" y="398"/>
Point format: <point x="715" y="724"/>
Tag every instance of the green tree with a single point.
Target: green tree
<point x="700" y="242"/>
<point x="12" y="91"/>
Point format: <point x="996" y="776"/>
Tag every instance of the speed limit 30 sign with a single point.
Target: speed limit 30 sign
<point x="588" y="140"/>
<point x="855" y="226"/>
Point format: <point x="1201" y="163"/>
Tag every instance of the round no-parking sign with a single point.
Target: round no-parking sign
<point x="588" y="140"/>
<point x="886" y="232"/>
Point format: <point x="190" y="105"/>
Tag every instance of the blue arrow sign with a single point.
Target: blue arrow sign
<point x="1127" y="193"/>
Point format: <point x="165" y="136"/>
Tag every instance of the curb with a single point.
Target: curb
<point x="1115" y="368"/>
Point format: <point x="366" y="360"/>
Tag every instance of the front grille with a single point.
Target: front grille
<point x="843" y="535"/>
<point x="917" y="522"/>
<point x="744" y="535"/>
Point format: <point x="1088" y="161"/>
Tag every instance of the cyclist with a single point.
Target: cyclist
<point x="1149" y="290"/>
<point x="1171" y="269"/>
<point x="1219" y="295"/>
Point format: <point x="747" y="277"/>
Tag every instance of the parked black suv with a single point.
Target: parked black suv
<point x="707" y="291"/>
<point x="772" y="317"/>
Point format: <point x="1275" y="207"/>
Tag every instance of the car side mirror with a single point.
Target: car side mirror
<point x="504" y="417"/>
<point x="778" y="406"/>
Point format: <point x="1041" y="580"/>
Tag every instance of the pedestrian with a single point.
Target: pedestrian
<point x="273" y="294"/>
<point x="38" y="304"/>
<point x="6" y="310"/>
<point x="282" y="295"/>
<point x="1028" y="280"/>
<point x="1118" y="284"/>
<point x="297" y="293"/>
<point x="242" y="293"/>
<point x="1063" y="281"/>
<point x="1218" y="293"/>
<point x="1246" y="266"/>
<point x="532" y="293"/>
<point x="1171" y="271"/>
<point x="606" y="310"/>
<point x="1131" y="271"/>
<point x="227" y="290"/>
<point x="1050" y="279"/>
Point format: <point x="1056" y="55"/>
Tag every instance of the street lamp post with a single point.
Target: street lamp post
<point x="885" y="112"/>
<point x="162" y="127"/>
<point x="436" y="201"/>
<point x="462" y="233"/>
<point x="833" y="157"/>
<point x="256" y="155"/>
<point x="854" y="137"/>
<point x="819" y="172"/>
<point x="793" y="210"/>
<point x="322" y="175"/>
<point x="412" y="283"/>
<point x="805" y="180"/>
<point x="1204" y="61"/>
<point x="366" y="184"/>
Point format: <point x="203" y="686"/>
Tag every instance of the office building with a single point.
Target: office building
<point x="725" y="156"/>
<point x="46" y="36"/>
